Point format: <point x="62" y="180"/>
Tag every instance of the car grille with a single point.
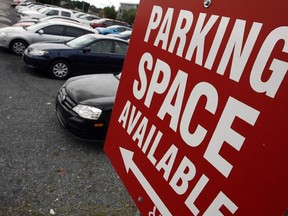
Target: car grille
<point x="66" y="101"/>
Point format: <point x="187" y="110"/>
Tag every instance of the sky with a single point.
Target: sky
<point x="109" y="3"/>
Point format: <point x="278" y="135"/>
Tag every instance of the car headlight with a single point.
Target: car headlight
<point x="38" y="52"/>
<point x="87" y="112"/>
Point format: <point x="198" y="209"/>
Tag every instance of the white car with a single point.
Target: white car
<point x="17" y="39"/>
<point x="29" y="22"/>
<point x="32" y="7"/>
<point x="87" y="18"/>
<point x="48" y="11"/>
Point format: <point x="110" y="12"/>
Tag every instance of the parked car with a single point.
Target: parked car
<point x="32" y="7"/>
<point x="114" y="29"/>
<point x="29" y="22"/>
<point x="123" y="35"/>
<point x="91" y="53"/>
<point x="78" y="14"/>
<point x="84" y="104"/>
<point x="89" y="17"/>
<point x="48" y="11"/>
<point x="15" y="3"/>
<point x="17" y="39"/>
<point x="85" y="19"/>
<point x="105" y="22"/>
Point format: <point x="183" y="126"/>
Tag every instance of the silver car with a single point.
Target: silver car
<point x="17" y="39"/>
<point x="47" y="11"/>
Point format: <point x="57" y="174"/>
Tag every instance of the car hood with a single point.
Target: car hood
<point x="30" y="12"/>
<point x="13" y="29"/>
<point x="24" y="24"/>
<point x="98" y="90"/>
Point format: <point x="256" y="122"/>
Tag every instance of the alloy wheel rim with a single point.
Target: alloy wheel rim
<point x="60" y="70"/>
<point x="19" y="47"/>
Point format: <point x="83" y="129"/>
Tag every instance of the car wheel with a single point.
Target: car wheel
<point x="60" y="69"/>
<point x="17" y="47"/>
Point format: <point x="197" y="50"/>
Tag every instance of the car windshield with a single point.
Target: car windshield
<point x="81" y="41"/>
<point x="43" y="10"/>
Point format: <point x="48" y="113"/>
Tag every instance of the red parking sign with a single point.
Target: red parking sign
<point x="199" y="125"/>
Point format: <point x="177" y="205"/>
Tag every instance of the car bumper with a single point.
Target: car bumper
<point x="37" y="62"/>
<point x="82" y="128"/>
<point x="4" y="42"/>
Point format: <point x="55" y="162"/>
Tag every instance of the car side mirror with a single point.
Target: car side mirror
<point x="41" y="31"/>
<point x="87" y="50"/>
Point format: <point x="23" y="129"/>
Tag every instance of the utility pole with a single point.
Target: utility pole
<point x="83" y="6"/>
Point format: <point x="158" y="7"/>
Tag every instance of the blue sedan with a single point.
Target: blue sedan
<point x="114" y="29"/>
<point x="87" y="54"/>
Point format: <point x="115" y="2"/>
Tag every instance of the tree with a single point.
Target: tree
<point x="110" y="12"/>
<point x="129" y="16"/>
<point x="52" y="2"/>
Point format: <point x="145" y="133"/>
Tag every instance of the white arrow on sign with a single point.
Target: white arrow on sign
<point x="129" y="164"/>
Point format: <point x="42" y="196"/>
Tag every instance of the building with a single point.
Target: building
<point x="125" y="7"/>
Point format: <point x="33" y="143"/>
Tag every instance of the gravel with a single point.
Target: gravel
<point x="44" y="170"/>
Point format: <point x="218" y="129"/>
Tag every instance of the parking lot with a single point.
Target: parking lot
<point x="44" y="169"/>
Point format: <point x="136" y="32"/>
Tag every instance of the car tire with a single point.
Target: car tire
<point x="60" y="69"/>
<point x="17" y="47"/>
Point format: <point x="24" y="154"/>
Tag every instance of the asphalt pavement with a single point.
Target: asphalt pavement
<point x="44" y="170"/>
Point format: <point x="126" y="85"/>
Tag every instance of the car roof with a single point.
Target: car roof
<point x="66" y="23"/>
<point x="103" y="20"/>
<point x="59" y="17"/>
<point x="84" y="15"/>
<point x="118" y="26"/>
<point x="72" y="24"/>
<point x="60" y="8"/>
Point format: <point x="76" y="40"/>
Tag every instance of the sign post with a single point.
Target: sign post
<point x="199" y="125"/>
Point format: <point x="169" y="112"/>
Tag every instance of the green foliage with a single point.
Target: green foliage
<point x="129" y="16"/>
<point x="110" y="12"/>
<point x="80" y="5"/>
<point x="52" y="2"/>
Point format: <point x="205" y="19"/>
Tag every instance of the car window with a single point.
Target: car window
<point x="119" y="23"/>
<point x="102" y="46"/>
<point x="52" y="13"/>
<point x="80" y="42"/>
<point x="120" y="47"/>
<point x="108" y="23"/>
<point x="54" y="30"/>
<point x="90" y="18"/>
<point x="65" y="14"/>
<point x="75" y="32"/>
<point x="121" y="29"/>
